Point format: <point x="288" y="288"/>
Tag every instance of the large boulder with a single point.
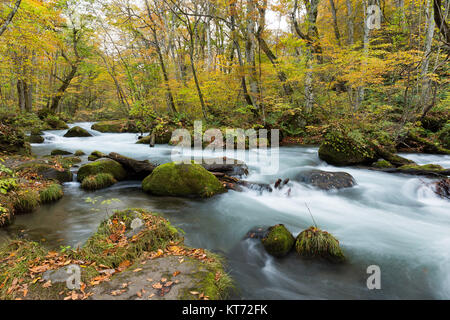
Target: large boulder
<point x="98" y="181"/>
<point x="326" y="180"/>
<point x="230" y="167"/>
<point x="278" y="241"/>
<point x="182" y="179"/>
<point x="135" y="169"/>
<point x="77" y="132"/>
<point x="102" y="166"/>
<point x="12" y="141"/>
<point x="59" y="152"/>
<point x="340" y="149"/>
<point x="36" y="138"/>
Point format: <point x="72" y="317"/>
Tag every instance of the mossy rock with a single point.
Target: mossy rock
<point x="77" y="132"/>
<point x="181" y="179"/>
<point x="35" y="138"/>
<point x="59" y="152"/>
<point x="79" y="153"/>
<point x="102" y="166"/>
<point x="47" y="171"/>
<point x="381" y="164"/>
<point x="279" y="241"/>
<point x="26" y="201"/>
<point x="53" y="122"/>
<point x="68" y="162"/>
<point x="96" y="155"/>
<point x="315" y="243"/>
<point x="51" y="193"/>
<point x="115" y="126"/>
<point x="144" y="140"/>
<point x="426" y="167"/>
<point x="340" y="149"/>
<point x="98" y="181"/>
<point x="12" y="141"/>
<point x="5" y="215"/>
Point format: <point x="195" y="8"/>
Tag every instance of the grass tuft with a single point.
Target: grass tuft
<point x="314" y="242"/>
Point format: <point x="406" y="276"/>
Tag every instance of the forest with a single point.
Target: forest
<point x="91" y="92"/>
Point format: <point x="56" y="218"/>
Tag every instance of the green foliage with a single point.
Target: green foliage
<point x="7" y="185"/>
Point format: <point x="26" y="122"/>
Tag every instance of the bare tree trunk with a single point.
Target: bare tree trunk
<point x="250" y="53"/>
<point x="426" y="83"/>
<point x="350" y="25"/>
<point x="21" y="94"/>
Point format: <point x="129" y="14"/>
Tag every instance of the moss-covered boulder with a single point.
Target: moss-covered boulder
<point x="59" y="152"/>
<point x="77" y="132"/>
<point x="12" y="141"/>
<point x="115" y="126"/>
<point x="315" y="243"/>
<point x="181" y="179"/>
<point x="79" y="153"/>
<point x="51" y="193"/>
<point x="102" y="166"/>
<point x="425" y="167"/>
<point x="279" y="241"/>
<point x="382" y="164"/>
<point x="340" y="149"/>
<point x="98" y="181"/>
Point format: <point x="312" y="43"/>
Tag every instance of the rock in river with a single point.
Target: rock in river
<point x="326" y="180"/>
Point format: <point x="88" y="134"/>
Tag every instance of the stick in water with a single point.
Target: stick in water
<point x="314" y="221"/>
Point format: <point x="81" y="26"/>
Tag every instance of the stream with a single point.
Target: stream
<point x="390" y="220"/>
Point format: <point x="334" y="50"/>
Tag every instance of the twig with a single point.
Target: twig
<point x="314" y="221"/>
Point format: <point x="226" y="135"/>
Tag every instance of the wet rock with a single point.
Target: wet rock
<point x="59" y="152"/>
<point x="257" y="233"/>
<point x="442" y="188"/>
<point x="137" y="225"/>
<point x="35" y="138"/>
<point x="77" y="132"/>
<point x="326" y="180"/>
<point x="135" y="169"/>
<point x="115" y="126"/>
<point x="96" y="155"/>
<point x="47" y="172"/>
<point x="231" y="167"/>
<point x="255" y="186"/>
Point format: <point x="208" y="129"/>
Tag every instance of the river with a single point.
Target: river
<point x="390" y="220"/>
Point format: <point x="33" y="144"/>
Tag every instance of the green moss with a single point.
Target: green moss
<point x="51" y="193"/>
<point x="144" y="140"/>
<point x="101" y="249"/>
<point x="26" y="201"/>
<point x="77" y="132"/>
<point x="315" y="243"/>
<point x="213" y="281"/>
<point x="12" y="140"/>
<point x="340" y="149"/>
<point x="102" y="166"/>
<point x="279" y="241"/>
<point x="53" y="122"/>
<point x="179" y="179"/>
<point x="383" y="164"/>
<point x="59" y="152"/>
<point x="68" y="162"/>
<point x="79" y="153"/>
<point x="99" y="181"/>
<point x="96" y="155"/>
<point x="426" y="167"/>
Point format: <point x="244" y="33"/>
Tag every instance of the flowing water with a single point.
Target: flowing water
<point x="393" y="221"/>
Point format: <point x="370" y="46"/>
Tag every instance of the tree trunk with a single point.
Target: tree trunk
<point x="10" y="17"/>
<point x="428" y="42"/>
<point x="21" y="94"/>
<point x="350" y="26"/>
<point x="335" y="22"/>
<point x="60" y="92"/>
